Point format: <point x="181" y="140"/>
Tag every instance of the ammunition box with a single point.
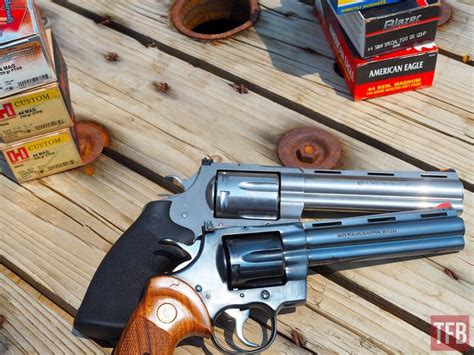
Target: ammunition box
<point x="404" y="70"/>
<point x="40" y="156"/>
<point x="25" y="61"/>
<point x="344" y="6"/>
<point x="40" y="110"/>
<point x="393" y="27"/>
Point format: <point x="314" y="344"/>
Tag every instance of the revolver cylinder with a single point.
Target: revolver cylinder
<point x="256" y="261"/>
<point x="247" y="195"/>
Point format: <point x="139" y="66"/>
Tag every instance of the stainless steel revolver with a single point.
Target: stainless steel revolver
<point x="222" y="196"/>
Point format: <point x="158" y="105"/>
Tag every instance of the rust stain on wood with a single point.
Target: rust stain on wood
<point x="161" y="86"/>
<point x="297" y="338"/>
<point x="240" y="88"/>
<point x="106" y="21"/>
<point x="112" y="57"/>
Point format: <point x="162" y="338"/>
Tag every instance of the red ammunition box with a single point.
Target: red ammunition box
<point x="404" y="70"/>
<point x="25" y="61"/>
<point x="40" y="156"/>
<point x="392" y="27"/>
<point x="37" y="111"/>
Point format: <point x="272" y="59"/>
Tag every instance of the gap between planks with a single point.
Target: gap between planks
<point x="33" y="324"/>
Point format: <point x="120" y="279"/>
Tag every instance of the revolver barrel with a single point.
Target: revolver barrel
<point x="286" y="192"/>
<point x="380" y="191"/>
<point x="284" y="253"/>
<point x="385" y="236"/>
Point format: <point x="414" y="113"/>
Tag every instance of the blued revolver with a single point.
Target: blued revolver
<point x="240" y="269"/>
<point x="220" y="196"/>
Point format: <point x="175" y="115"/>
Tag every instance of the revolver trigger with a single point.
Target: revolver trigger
<point x="192" y="250"/>
<point x="240" y="318"/>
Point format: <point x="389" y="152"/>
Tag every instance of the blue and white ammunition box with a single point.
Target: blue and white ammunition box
<point x="344" y="6"/>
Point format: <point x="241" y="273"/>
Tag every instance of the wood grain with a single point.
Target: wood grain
<point x="170" y="312"/>
<point x="456" y="36"/>
<point x="31" y="327"/>
<point x="285" y="59"/>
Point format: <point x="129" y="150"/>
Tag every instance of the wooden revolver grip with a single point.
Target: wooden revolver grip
<point x="170" y="312"/>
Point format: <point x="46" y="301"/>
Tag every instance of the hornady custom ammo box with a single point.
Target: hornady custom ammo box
<point x="39" y="110"/>
<point x="40" y="156"/>
<point x="24" y="59"/>
<point x="391" y="73"/>
<point x="392" y="27"/>
<point x="343" y="6"/>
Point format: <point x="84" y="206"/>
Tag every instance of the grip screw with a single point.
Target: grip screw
<point x="265" y="294"/>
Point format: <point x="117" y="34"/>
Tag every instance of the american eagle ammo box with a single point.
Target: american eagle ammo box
<point x="403" y="70"/>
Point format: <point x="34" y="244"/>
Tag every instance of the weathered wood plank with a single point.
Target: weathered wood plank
<point x="271" y="58"/>
<point x="456" y="36"/>
<point x="53" y="244"/>
<point x="30" y="327"/>
<point x="121" y="93"/>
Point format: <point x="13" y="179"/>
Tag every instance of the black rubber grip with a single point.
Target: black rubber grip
<point x="120" y="280"/>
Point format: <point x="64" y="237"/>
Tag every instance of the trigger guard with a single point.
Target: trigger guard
<point x="262" y="347"/>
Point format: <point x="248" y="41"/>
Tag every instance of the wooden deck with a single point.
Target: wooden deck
<point x="56" y="230"/>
